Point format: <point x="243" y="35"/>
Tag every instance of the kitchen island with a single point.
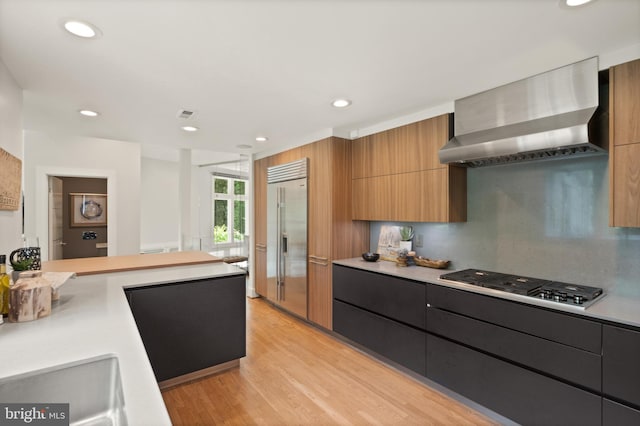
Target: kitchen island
<point x="93" y="319"/>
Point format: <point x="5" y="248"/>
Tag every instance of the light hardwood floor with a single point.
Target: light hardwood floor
<point x="294" y="374"/>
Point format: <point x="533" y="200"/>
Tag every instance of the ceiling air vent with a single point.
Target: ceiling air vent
<point x="185" y="114"/>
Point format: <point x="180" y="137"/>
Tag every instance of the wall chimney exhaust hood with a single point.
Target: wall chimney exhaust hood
<point x="552" y="115"/>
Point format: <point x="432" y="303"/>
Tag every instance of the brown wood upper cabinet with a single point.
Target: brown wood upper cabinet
<point x="624" y="145"/>
<point x="397" y="175"/>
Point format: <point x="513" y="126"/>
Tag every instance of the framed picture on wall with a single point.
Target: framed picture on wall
<point x="88" y="209"/>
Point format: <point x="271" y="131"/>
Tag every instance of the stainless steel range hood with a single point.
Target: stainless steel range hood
<point x="548" y="116"/>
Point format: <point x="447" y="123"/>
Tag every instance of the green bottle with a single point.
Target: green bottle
<point x="4" y="286"/>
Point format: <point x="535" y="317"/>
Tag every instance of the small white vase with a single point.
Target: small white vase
<point x="405" y="245"/>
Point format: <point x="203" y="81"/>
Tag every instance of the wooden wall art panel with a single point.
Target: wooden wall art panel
<point x="10" y="180"/>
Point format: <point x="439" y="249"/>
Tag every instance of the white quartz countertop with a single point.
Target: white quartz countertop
<point x="612" y="307"/>
<point x="93" y="318"/>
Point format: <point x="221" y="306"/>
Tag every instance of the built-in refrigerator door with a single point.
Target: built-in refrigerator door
<point x="293" y="246"/>
<point x="287" y="236"/>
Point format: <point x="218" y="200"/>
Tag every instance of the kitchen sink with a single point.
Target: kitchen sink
<point x="92" y="387"/>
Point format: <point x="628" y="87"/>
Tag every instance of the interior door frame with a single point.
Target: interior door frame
<point x="42" y="203"/>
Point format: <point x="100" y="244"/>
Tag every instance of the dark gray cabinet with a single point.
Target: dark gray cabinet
<point x="518" y="393"/>
<point x="395" y="341"/>
<point x="615" y="414"/>
<point x="558" y="327"/>
<point x="190" y="326"/>
<point x="399" y="299"/>
<point x="382" y="313"/>
<point x="520" y="361"/>
<point x="535" y="338"/>
<point x="531" y="364"/>
<point x="621" y="364"/>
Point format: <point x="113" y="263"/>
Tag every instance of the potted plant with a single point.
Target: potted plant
<point x="406" y="235"/>
<point x="19" y="266"/>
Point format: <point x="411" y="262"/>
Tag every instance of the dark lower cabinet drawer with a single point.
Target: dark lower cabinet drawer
<point x="621" y="364"/>
<point x="614" y="414"/>
<point x="557" y="360"/>
<point x="517" y="393"/>
<point x="558" y="327"/>
<point x="395" y="298"/>
<point x="398" y="342"/>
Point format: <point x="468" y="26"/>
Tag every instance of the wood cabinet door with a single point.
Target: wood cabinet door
<point x="319" y="198"/>
<point x="625" y="186"/>
<point x="260" y="225"/>
<point x="408" y="148"/>
<point x="320" y="294"/>
<point x="625" y="102"/>
<point x="320" y="224"/>
<point x="411" y="197"/>
<point x="373" y="198"/>
<point x="397" y="175"/>
<point x="260" y="270"/>
<point x="260" y="200"/>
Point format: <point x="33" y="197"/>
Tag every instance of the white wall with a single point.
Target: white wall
<point x="201" y="208"/>
<point x="10" y="141"/>
<point x="159" y="209"/>
<point x="119" y="162"/>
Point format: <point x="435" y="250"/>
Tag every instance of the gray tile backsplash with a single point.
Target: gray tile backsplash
<point x="544" y="219"/>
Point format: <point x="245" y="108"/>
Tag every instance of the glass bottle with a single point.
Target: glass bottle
<point x="4" y="286"/>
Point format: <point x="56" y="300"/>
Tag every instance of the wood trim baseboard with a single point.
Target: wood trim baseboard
<point x="175" y="381"/>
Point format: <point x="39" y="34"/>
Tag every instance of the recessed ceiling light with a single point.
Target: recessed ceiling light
<point x="574" y="3"/>
<point x="81" y="29"/>
<point x="341" y="103"/>
<point x="262" y="139"/>
<point x="88" y="113"/>
<point x="189" y="128"/>
<point x="244" y="146"/>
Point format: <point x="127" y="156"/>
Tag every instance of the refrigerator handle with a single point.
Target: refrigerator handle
<point x="279" y="248"/>
<point x="283" y="260"/>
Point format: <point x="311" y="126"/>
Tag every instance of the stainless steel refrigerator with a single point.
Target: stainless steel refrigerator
<point x="287" y="236"/>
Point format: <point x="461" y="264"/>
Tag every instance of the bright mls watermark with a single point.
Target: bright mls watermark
<point x="34" y="414"/>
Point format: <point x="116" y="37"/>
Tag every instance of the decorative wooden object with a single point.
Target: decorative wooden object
<point x="431" y="263"/>
<point x="10" y="179"/>
<point x="30" y="297"/>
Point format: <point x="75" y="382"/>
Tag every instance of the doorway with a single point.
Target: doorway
<point x="77" y="217"/>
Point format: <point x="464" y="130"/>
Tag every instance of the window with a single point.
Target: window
<point x="229" y="209"/>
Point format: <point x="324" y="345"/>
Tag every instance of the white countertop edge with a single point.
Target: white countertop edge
<point x="612" y="307"/>
<point x="93" y="319"/>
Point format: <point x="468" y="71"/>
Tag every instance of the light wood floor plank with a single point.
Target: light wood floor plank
<point x="294" y="374"/>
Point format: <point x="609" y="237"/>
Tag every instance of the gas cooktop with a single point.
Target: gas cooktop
<point x="568" y="294"/>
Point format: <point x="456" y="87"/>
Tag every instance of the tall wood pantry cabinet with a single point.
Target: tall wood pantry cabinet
<point x="332" y="234"/>
<point x="260" y="224"/>
<point x="624" y="144"/>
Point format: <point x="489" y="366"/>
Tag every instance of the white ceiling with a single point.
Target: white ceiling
<point x="272" y="67"/>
